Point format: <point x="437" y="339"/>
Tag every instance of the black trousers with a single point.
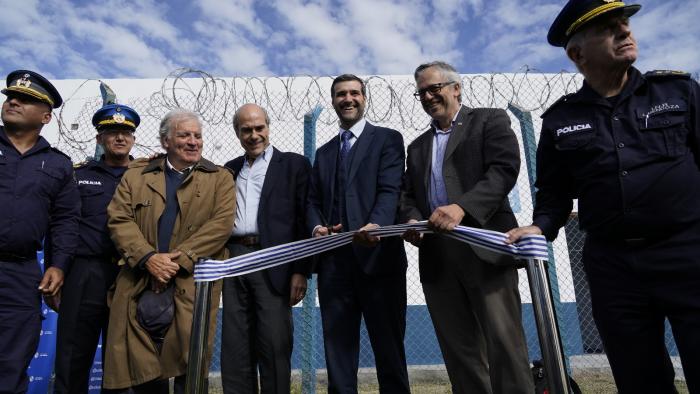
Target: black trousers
<point x="20" y="322"/>
<point x="256" y="334"/>
<point x="83" y="316"/>
<point x="635" y="286"/>
<point x="347" y="295"/>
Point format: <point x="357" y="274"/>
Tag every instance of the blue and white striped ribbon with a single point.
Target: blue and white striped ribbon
<point x="529" y="246"/>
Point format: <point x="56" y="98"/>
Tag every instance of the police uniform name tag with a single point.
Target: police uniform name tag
<point x="663" y="114"/>
<point x="574" y="134"/>
<point x="89" y="182"/>
<point x="574" y="128"/>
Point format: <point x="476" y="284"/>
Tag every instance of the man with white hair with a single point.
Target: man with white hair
<point x="166" y="214"/>
<point x="626" y="145"/>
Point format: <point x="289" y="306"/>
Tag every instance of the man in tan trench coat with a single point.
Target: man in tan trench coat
<point x="166" y="213"/>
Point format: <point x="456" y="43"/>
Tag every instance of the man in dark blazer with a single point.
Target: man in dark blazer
<point x="271" y="190"/>
<point x="355" y="185"/>
<point x="460" y="172"/>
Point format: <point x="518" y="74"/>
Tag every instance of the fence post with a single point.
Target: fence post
<point x="530" y="151"/>
<point x="108" y="97"/>
<point x="197" y="369"/>
<point x="547" y="330"/>
<point x="308" y="336"/>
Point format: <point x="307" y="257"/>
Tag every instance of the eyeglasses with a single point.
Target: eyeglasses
<point x="433" y="89"/>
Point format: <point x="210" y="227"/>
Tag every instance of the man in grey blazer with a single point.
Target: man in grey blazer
<point x="460" y="172"/>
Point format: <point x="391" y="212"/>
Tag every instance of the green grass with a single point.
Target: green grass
<point x="602" y="383"/>
<point x="590" y="383"/>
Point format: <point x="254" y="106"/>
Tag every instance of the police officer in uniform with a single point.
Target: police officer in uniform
<point x="83" y="310"/>
<point x="38" y="196"/>
<point x="626" y="145"/>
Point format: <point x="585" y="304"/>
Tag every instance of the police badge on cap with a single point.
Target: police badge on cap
<point x="116" y="115"/>
<point x="577" y="13"/>
<point x="31" y="84"/>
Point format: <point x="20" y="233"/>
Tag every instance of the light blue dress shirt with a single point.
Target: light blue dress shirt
<point x="438" y="191"/>
<point x="249" y="184"/>
<point x="356" y="130"/>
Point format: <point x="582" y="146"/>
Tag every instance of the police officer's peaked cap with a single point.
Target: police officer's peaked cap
<point x="116" y="115"/>
<point x="577" y="13"/>
<point x="29" y="83"/>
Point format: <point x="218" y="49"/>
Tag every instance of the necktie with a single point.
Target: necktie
<point x="345" y="145"/>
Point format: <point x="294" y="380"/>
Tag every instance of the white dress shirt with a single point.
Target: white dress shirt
<point x="249" y="184"/>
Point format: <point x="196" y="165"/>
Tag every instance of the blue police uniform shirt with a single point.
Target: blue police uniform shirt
<point x="632" y="161"/>
<point x="96" y="182"/>
<point x="38" y="195"/>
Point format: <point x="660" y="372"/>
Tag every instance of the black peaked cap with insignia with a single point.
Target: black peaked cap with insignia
<point x="577" y="13"/>
<point x="116" y="116"/>
<point x="29" y="83"/>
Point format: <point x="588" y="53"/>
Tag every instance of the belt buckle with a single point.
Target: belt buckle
<point x="247" y="240"/>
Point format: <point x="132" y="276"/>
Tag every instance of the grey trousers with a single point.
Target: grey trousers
<point x="476" y="310"/>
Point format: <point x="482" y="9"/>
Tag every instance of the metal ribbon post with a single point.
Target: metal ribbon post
<point x="197" y="368"/>
<point x="547" y="328"/>
<point x="308" y="312"/>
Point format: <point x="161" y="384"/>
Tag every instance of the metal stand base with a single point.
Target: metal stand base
<point x="197" y="371"/>
<point x="547" y="329"/>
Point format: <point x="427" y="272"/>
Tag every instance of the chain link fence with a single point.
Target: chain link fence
<point x="390" y="103"/>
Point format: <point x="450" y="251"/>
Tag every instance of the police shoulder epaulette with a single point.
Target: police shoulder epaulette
<point x="562" y="99"/>
<point x="63" y="154"/>
<point x="80" y="164"/>
<point x="666" y="74"/>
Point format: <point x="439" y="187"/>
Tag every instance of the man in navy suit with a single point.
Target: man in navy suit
<point x="355" y="185"/>
<point x="271" y="189"/>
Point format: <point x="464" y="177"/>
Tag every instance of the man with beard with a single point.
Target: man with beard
<point x="626" y="145"/>
<point x="355" y="183"/>
<point x="39" y="198"/>
<point x="460" y="172"/>
<point x="166" y="214"/>
<point x="271" y="189"/>
<point x="83" y="305"/>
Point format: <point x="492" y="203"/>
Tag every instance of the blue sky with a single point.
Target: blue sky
<point x="147" y="39"/>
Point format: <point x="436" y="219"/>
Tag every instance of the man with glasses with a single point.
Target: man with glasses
<point x="459" y="172"/>
<point x="83" y="304"/>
